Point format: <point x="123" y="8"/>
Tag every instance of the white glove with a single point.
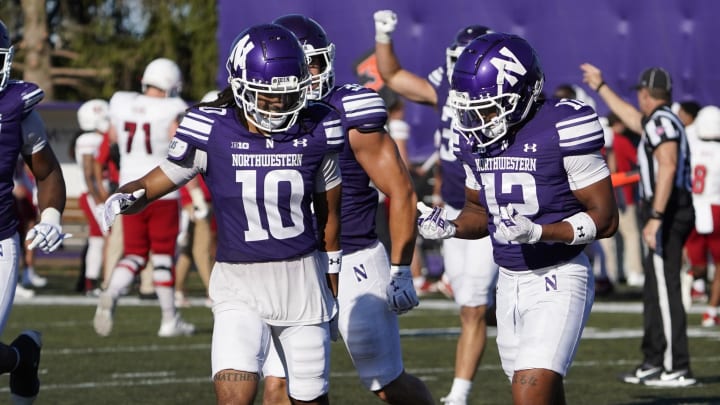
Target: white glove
<point x="47" y="235"/>
<point x="401" y="296"/>
<point x="200" y="207"/>
<point x="385" y="22"/>
<point x="117" y="204"/>
<point x="518" y="228"/>
<point x="433" y="223"/>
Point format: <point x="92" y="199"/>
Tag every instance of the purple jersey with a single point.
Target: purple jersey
<point x="527" y="170"/>
<point x="261" y="186"/>
<point x="452" y="189"/>
<point x="17" y="100"/>
<point x="362" y="109"/>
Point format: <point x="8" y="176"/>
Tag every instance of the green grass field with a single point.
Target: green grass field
<point x="134" y="366"/>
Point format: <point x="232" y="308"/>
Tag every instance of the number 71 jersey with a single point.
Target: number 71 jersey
<point x="143" y="127"/>
<point x="261" y="186"/>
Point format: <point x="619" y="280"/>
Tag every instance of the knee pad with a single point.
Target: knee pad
<point x="133" y="263"/>
<point x="163" y="274"/>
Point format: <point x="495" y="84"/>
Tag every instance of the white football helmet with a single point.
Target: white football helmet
<point x="163" y="74"/>
<point x="93" y="116"/>
<point x="6" y="56"/>
<point x="707" y="123"/>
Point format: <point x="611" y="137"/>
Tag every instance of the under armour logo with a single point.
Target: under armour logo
<point x="530" y="147"/>
<point x="298" y="142"/>
<point x="580" y="232"/>
<point x="332" y="261"/>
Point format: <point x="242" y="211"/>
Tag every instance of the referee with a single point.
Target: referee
<point x="667" y="212"/>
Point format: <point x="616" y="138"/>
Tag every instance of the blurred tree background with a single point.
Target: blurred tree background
<point x="81" y="49"/>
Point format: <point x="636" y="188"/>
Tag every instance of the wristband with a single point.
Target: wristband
<point x="655" y="214"/>
<point x="602" y="83"/>
<point x="51" y="216"/>
<point x="334" y="261"/>
<point x="399" y="268"/>
<point x="584" y="229"/>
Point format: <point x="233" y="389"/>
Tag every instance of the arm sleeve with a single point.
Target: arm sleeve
<point x="584" y="170"/>
<point x="192" y="163"/>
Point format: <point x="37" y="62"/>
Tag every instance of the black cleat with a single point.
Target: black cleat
<point x="24" y="381"/>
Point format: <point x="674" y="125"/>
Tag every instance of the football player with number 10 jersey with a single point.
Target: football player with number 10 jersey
<point x="267" y="157"/>
<point x="538" y="185"/>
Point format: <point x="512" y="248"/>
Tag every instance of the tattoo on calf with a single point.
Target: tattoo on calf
<point x="524" y="380"/>
<point x="236" y="376"/>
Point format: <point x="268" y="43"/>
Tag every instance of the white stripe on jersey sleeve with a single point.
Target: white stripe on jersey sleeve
<point x="197" y="126"/>
<point x="334" y="132"/>
<point x="31" y="99"/>
<point x="363" y="104"/>
<point x="579" y="130"/>
<point x="437" y="76"/>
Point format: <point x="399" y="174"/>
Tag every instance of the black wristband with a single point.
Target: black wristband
<point x="655" y="214"/>
<point x="602" y="83"/>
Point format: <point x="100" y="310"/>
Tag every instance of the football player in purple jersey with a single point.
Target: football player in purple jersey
<point x="23" y="134"/>
<point x="270" y="161"/>
<point x="468" y="264"/>
<point x="374" y="289"/>
<point x="538" y="185"/>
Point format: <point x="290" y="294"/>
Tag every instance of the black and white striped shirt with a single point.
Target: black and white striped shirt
<point x="663" y="126"/>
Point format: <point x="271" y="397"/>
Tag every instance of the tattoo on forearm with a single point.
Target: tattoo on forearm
<point x="524" y="380"/>
<point x="236" y="376"/>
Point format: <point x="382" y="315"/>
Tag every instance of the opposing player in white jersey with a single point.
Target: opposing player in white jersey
<point x="373" y="289"/>
<point x="23" y="133"/>
<point x="539" y="186"/>
<point x="704" y="240"/>
<point x="468" y="264"/>
<point x="270" y="161"/>
<point x="94" y="122"/>
<point x="142" y="125"/>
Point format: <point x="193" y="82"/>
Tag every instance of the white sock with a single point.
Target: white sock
<point x="460" y="388"/>
<point x="418" y="281"/>
<point x="166" y="298"/>
<point x="121" y="278"/>
<point x="712" y="311"/>
<point x="94" y="257"/>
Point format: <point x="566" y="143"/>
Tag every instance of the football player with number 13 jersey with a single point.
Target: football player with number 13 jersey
<point x="538" y="185"/>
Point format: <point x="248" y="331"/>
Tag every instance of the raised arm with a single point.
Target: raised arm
<point x="627" y="113"/>
<point x="403" y="82"/>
